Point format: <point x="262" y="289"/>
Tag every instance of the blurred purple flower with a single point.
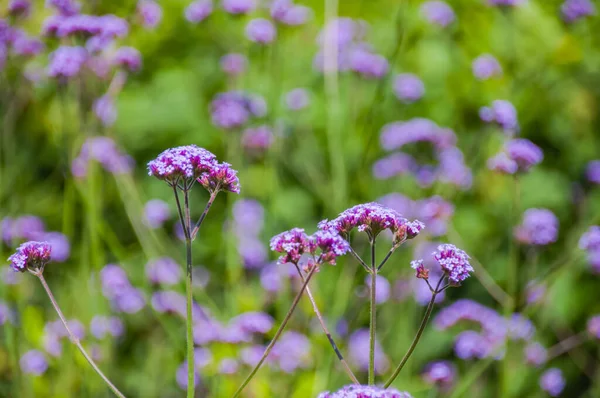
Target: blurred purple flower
<point x="473" y="345"/>
<point x="201" y="276"/>
<point x="593" y="326"/>
<point x="156" y="212"/>
<point x="234" y="64"/>
<point x="435" y="213"/>
<point x="408" y="87"/>
<point x="198" y="10"/>
<point x="129" y="58"/>
<point x="438" y="12"/>
<point x="237" y="7"/>
<point x="261" y="31"/>
<point x="485" y="67"/>
<point x="535" y="292"/>
<point x="288" y="13"/>
<point x="105" y="151"/>
<point x="360" y="391"/>
<point x="257" y="139"/>
<point x="502" y="163"/>
<point x="383" y="289"/>
<point x="64" y="7"/>
<point x="552" y="381"/>
<point x="358" y="348"/>
<point x="150" y="13"/>
<point x="291" y="352"/>
<point x="5" y="313"/>
<point x="539" y="227"/>
<point x="253" y="252"/>
<point x="27" y="227"/>
<point x="33" y="362"/>
<point x="101" y="326"/>
<point x="252" y="354"/>
<point x="25" y="45"/>
<point x="593" y="171"/>
<point x="61" y="248"/>
<point x="66" y="62"/>
<point x="19" y="8"/>
<point x="590" y="242"/>
<point x="397" y="134"/>
<point x="503" y="113"/>
<point x="441" y="373"/>
<point x="248" y="215"/>
<point x="574" y="10"/>
<point x="253" y="322"/>
<point x="535" y="354"/>
<point x="505" y="2"/>
<point x="524" y="152"/>
<point x="168" y="301"/>
<point x="298" y="99"/>
<point x="368" y="64"/>
<point x="232" y="109"/>
<point x="228" y="366"/>
<point x="164" y="271"/>
<point x="117" y="288"/>
<point x="105" y="110"/>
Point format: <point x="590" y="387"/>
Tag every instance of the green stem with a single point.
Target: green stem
<point x="372" y="323"/>
<point x="204" y="213"/>
<point x="277" y="334"/>
<point x="75" y="340"/>
<point x="415" y="341"/>
<point x="189" y="320"/>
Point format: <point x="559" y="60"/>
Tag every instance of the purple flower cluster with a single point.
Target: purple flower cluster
<point x="55" y="331"/>
<point x="451" y="168"/>
<point x="261" y="31"/>
<point x="168" y="301"/>
<point x="128" y="58"/>
<point x="288" y="13"/>
<point x="438" y="12"/>
<point x="164" y="271"/>
<point x="291" y="352"/>
<point x="156" y="212"/>
<point x="19" y="42"/>
<point x="590" y="242"/>
<point x="64" y="7"/>
<point x="237" y="7"/>
<point x="434" y="211"/>
<point x="107" y="27"/>
<point x="101" y="326"/>
<point x="27" y="227"/>
<point x="324" y="246"/>
<point x="539" y="227"/>
<point x="198" y="10"/>
<point x="232" y="109"/>
<point x="440" y="373"/>
<point x="358" y="352"/>
<point x="454" y="263"/>
<point x="574" y="10"/>
<point x="383" y="291"/>
<point x="66" y="62"/>
<point x="592" y="171"/>
<point x="553" y="382"/>
<point x="519" y="156"/>
<point x="360" y="391"/>
<point x="149" y="13"/>
<point x="33" y="362"/>
<point x="353" y="53"/>
<point x="408" y="87"/>
<point x="31" y="256"/>
<point x="503" y="113"/>
<point x="486" y="66"/>
<point x="248" y="220"/>
<point x="505" y="3"/>
<point x="105" y="151"/>
<point x="19" y="8"/>
<point x="256" y="140"/>
<point x="535" y="354"/>
<point x="117" y="288"/>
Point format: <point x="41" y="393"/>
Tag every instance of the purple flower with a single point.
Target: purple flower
<point x="228" y="366"/>
<point x="64" y="7"/>
<point x="257" y="138"/>
<point x="524" y="152"/>
<point x="261" y="31"/>
<point x="502" y="163"/>
<point x="298" y="99"/>
<point x="291" y="352"/>
<point x="220" y="177"/>
<point x="358" y="349"/>
<point x="435" y="213"/>
<point x="248" y="215"/>
<point x="234" y="64"/>
<point x="294" y="243"/>
<point x="331" y="245"/>
<point x="421" y="271"/>
<point x="112" y="26"/>
<point x="442" y="373"/>
<point x="130" y="301"/>
<point x="156" y="212"/>
<point x="129" y="58"/>
<point x="19" y="8"/>
<point x="503" y="113"/>
<point x="535" y="292"/>
<point x="117" y="288"/>
<point x="360" y="391"/>
<point x="367" y="63"/>
<point x="253" y="252"/>
<point x="539" y="227"/>
<point x="393" y="165"/>
<point x="593" y="171"/>
<point x="105" y="110"/>
<point x="438" y="12"/>
<point x="383" y="289"/>
<point x="552" y="381"/>
<point x="535" y="354"/>
<point x="590" y="240"/>
<point x="101" y="326"/>
<point x="233" y="109"/>
<point x="5" y="313"/>
<point x="454" y="263"/>
<point x="150" y="13"/>
<point x="506" y="3"/>
<point x="67" y="61"/>
<point x="184" y="163"/>
<point x="408" y="87"/>
<point x="486" y="66"/>
<point x="25" y="227"/>
<point x="237" y="7"/>
<point x="198" y="10"/>
<point x="574" y="10"/>
<point x="593" y="326"/>
<point x="24" y="45"/>
<point x="105" y="151"/>
<point x="173" y="302"/>
<point x="470" y="345"/>
<point x="32" y="256"/>
<point x="287" y="13"/>
<point x="59" y="246"/>
<point x="33" y="362"/>
<point x="253" y="322"/>
<point x="397" y="134"/>
<point x="164" y="271"/>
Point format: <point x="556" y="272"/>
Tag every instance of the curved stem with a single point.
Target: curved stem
<point x="326" y="330"/>
<point x="204" y="213"/>
<point x="277" y="334"/>
<point x="360" y="260"/>
<point x="567" y="345"/>
<point x="373" y="321"/>
<point x="387" y="257"/>
<point x="75" y="340"/>
<point x="180" y="212"/>
<point x="417" y="336"/>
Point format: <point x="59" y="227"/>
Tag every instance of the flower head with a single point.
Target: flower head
<point x="297" y="99"/>
<point x="64" y="7"/>
<point x="535" y="354"/>
<point x="220" y="177"/>
<point x="438" y="12"/>
<point x="261" y="31"/>
<point x="593" y="326"/>
<point x="442" y="373"/>
<point x="331" y="244"/>
<point x="19" y="8"/>
<point x="539" y="227"/>
<point x="574" y="10"/>
<point x="360" y="391"/>
<point x="32" y="256"/>
<point x="287" y="13"/>
<point x="150" y="13"/>
<point x="503" y="113"/>
<point x="293" y="243"/>
<point x="198" y="10"/>
<point x="502" y="163"/>
<point x="66" y="62"/>
<point x="129" y="58"/>
<point x="238" y="6"/>
<point x="408" y="87"/>
<point x="454" y="263"/>
<point x="105" y="110"/>
<point x="524" y="152"/>
<point x="486" y="66"/>
<point x="553" y="382"/>
<point x="33" y="362"/>
<point x="421" y="271"/>
<point x="185" y="163"/>
<point x="592" y="171"/>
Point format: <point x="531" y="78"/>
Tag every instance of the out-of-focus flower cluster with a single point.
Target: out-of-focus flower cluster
<point x="104" y="151"/>
<point x="360" y="391"/>
<point x="435" y="212"/>
<point x="519" y="155"/>
<point x="247" y="224"/>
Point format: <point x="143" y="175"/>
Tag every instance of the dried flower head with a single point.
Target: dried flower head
<point x="31" y="256"/>
<point x="220" y="177"/>
<point x="182" y="164"/>
<point x="454" y="263"/>
<point x="421" y="271"/>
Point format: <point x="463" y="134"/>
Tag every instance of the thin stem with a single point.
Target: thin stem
<point x="189" y="321"/>
<point x="387" y="257"/>
<point x="372" y="323"/>
<point x="567" y="345"/>
<point x="277" y="334"/>
<point x="75" y="340"/>
<point x="181" y="217"/>
<point x="188" y="221"/>
<point x="417" y="336"/>
<point x="360" y="260"/>
<point x="326" y="330"/>
<point x="204" y="213"/>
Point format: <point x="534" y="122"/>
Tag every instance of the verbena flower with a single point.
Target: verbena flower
<point x="329" y="244"/>
<point x="539" y="227"/>
<point x="293" y="244"/>
<point x="27" y="227"/>
<point x="232" y="109"/>
<point x="503" y="113"/>
<point x="440" y="373"/>
<point x="228" y="366"/>
<point x="105" y="110"/>
<point x="288" y="13"/>
<point x="535" y="354"/>
<point x="421" y="271"/>
<point x="574" y="10"/>
<point x="590" y="242"/>
<point x="128" y="58"/>
<point x="233" y="64"/>
<point x="253" y="322"/>
<point x="261" y="31"/>
<point x="502" y="163"/>
<point x="438" y="12"/>
<point x="64" y="7"/>
<point x="33" y="362"/>
<point x="101" y="326"/>
<point x="505" y="2"/>
<point x="66" y="62"/>
<point x="454" y="263"/>
<point x="383" y="291"/>
<point x="198" y="10"/>
<point x="408" y="87"/>
<point x="238" y="6"/>
<point x="257" y="139"/>
<point x="150" y="13"/>
<point x="24" y="45"/>
<point x="298" y="99"/>
<point x="163" y="270"/>
<point x="365" y="62"/>
<point x="360" y="391"/>
<point x="181" y="164"/>
<point x="592" y="171"/>
<point x="486" y="66"/>
<point x="156" y="212"/>
<point x="31" y="256"/>
<point x="59" y="246"/>
<point x="220" y="177"/>
<point x="19" y="8"/>
<point x="552" y="381"/>
<point x="524" y="152"/>
<point x="291" y="352"/>
<point x="105" y="151"/>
